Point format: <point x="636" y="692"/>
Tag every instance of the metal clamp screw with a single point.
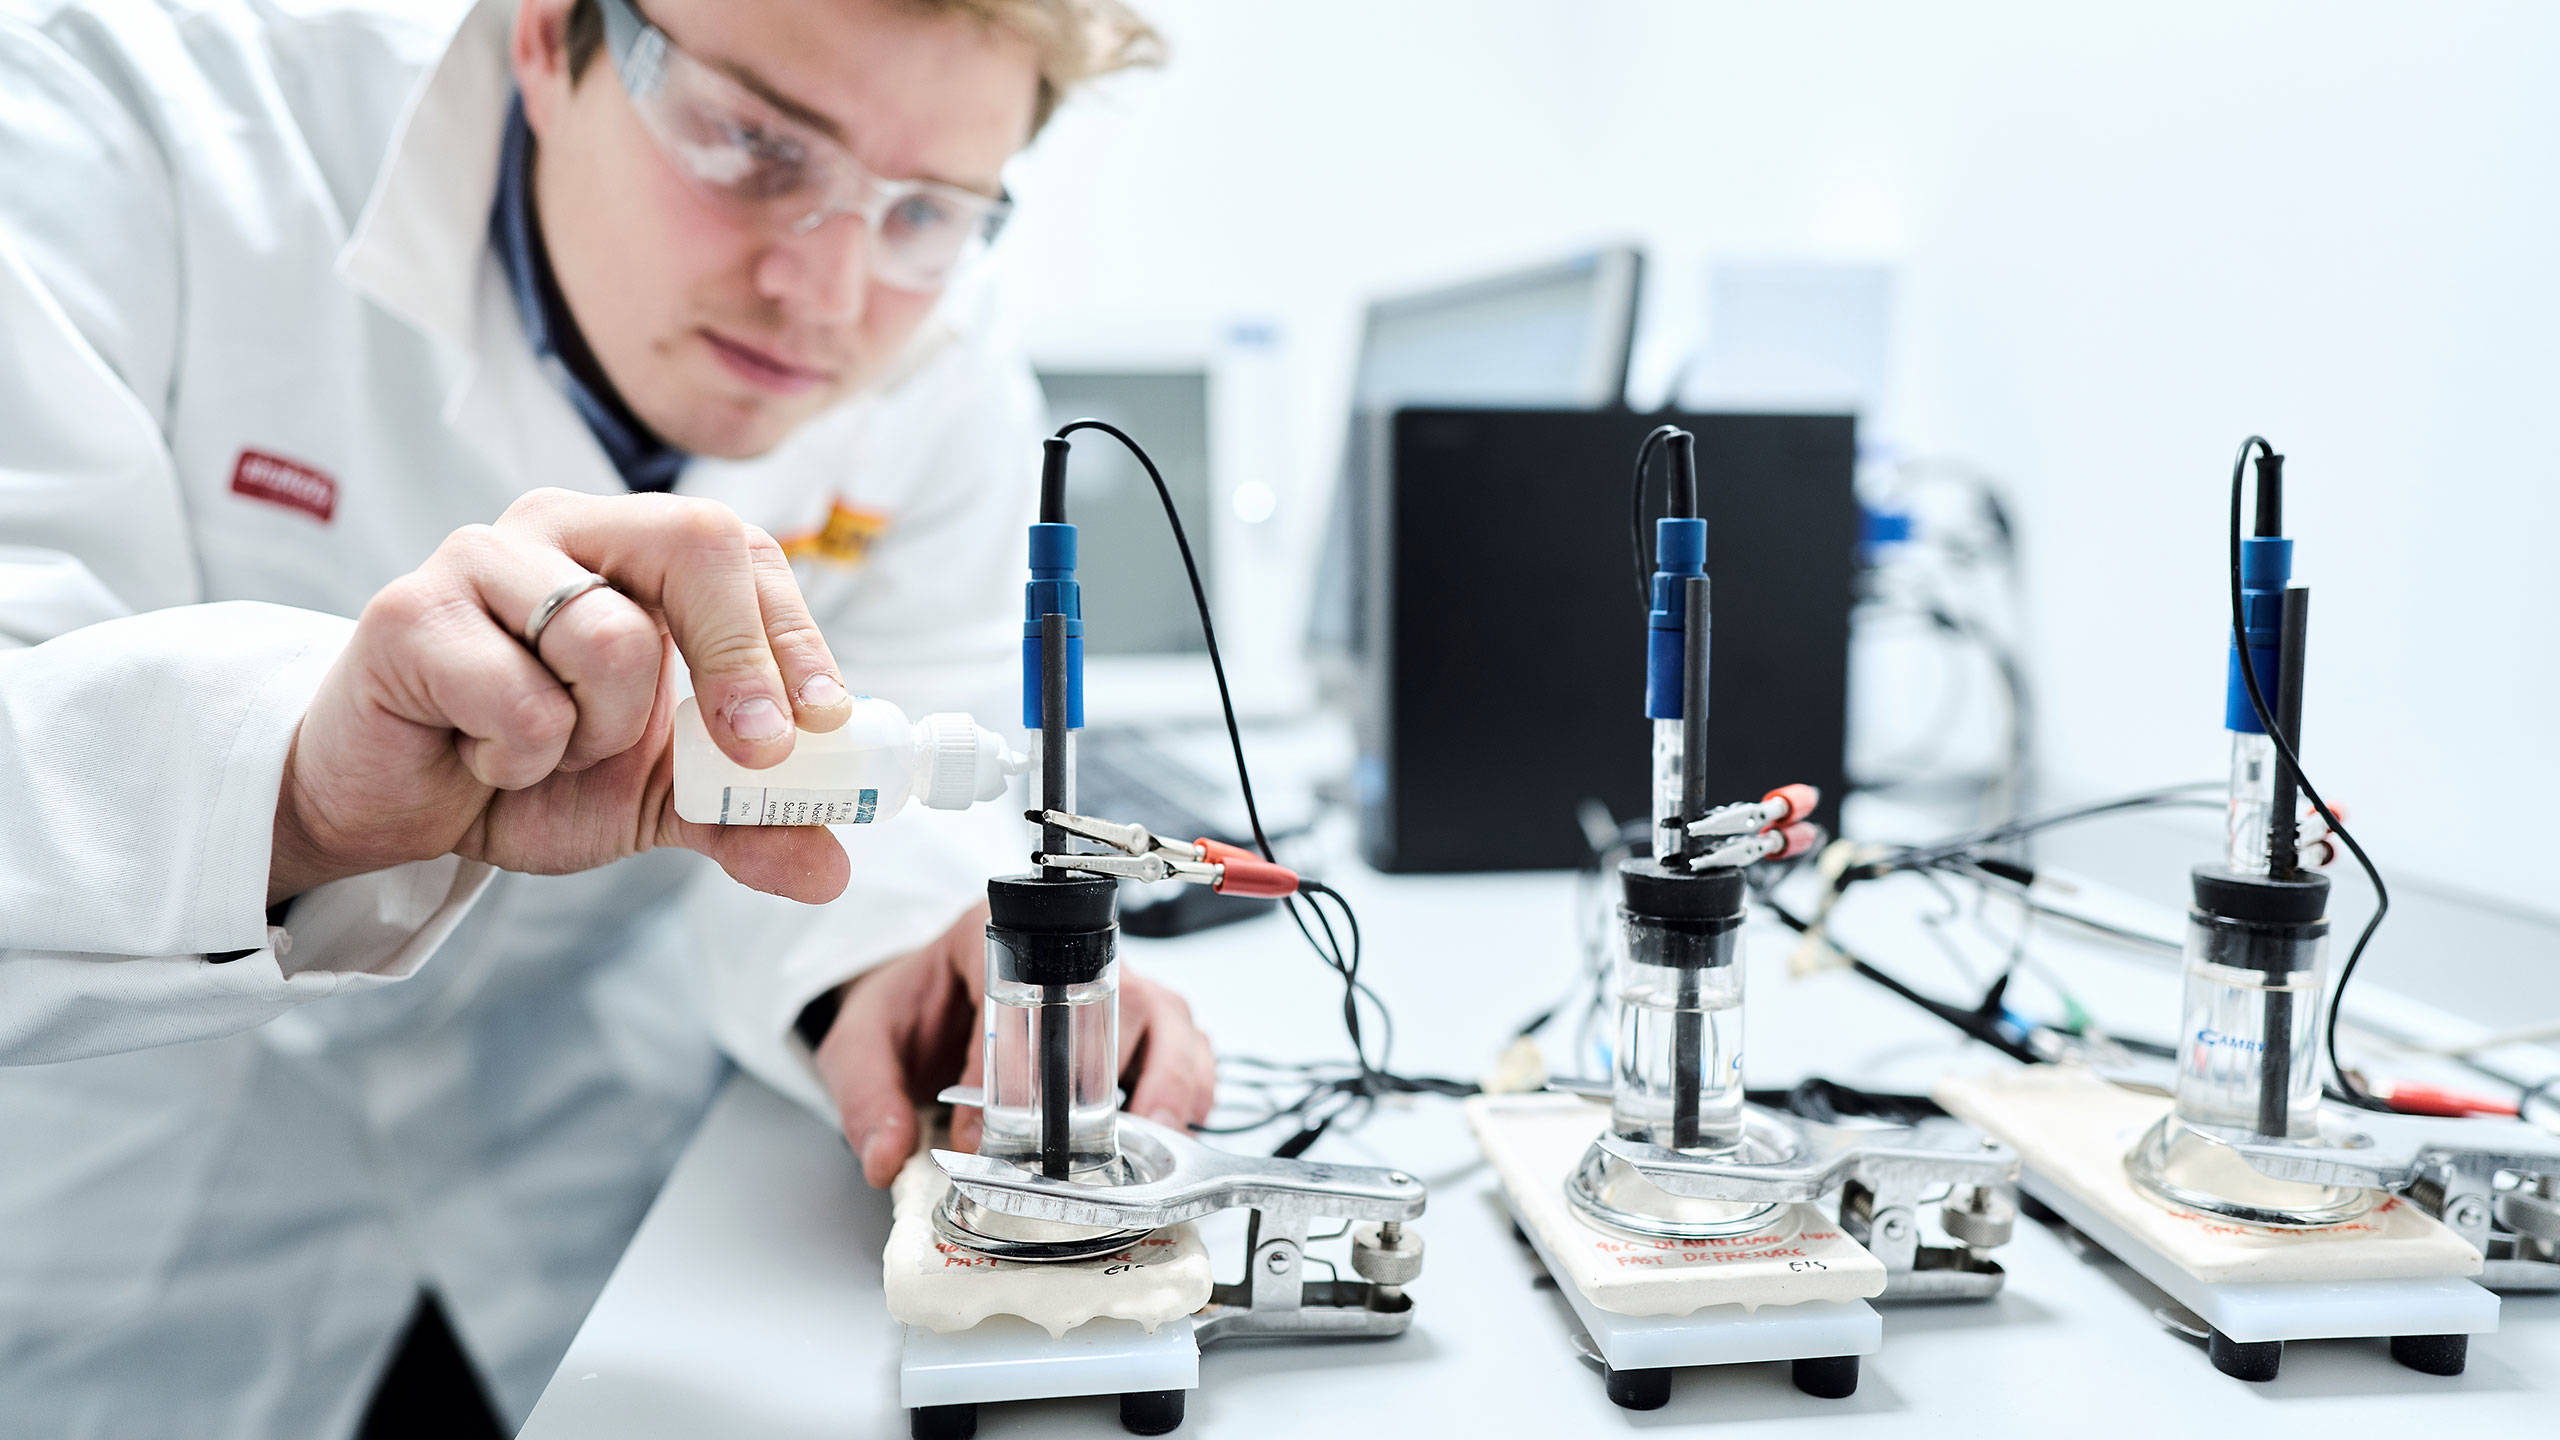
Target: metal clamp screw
<point x="1894" y="1226"/>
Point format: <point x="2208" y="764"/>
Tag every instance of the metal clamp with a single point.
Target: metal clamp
<point x="2445" y="1165"/>
<point x="1881" y="1173"/>
<point x="1182" y="1179"/>
<point x="1227" y="869"/>
<point x="2449" y="1167"/>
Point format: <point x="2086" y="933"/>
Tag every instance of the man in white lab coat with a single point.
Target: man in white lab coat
<point x="337" y="344"/>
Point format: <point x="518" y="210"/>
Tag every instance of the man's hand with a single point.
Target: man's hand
<point x="910" y="1026"/>
<point x="439" y="731"/>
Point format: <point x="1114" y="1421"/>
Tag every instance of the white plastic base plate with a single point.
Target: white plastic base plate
<point x="1006" y="1358"/>
<point x="2073" y="1128"/>
<point x="1722" y="1334"/>
<point x="1798" y="1257"/>
<point x="2395" y="1272"/>
<point x="2252" y="1311"/>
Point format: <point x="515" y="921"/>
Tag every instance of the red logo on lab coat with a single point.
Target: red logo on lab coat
<point x="289" y="483"/>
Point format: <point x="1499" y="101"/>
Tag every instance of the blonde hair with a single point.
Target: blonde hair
<point x="1073" y="40"/>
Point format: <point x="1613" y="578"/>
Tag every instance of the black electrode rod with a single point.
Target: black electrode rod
<point x="2275" y="1060"/>
<point x="2284" y="835"/>
<point x="1688" y="1041"/>
<point x="1057" y="792"/>
<point x="1689" y="1021"/>
<point x="1057" y="1083"/>
<point x="1057" y="781"/>
<point x="2284" y="858"/>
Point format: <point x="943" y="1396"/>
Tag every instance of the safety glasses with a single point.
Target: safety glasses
<point x="743" y="153"/>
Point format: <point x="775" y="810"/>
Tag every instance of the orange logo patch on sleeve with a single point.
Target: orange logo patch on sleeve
<point x="844" y="540"/>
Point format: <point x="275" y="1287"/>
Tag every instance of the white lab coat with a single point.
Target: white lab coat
<point x="249" y="227"/>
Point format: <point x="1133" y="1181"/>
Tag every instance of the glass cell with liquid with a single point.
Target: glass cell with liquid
<point x="1678" y="1081"/>
<point x="2249" y="1041"/>
<point x="1052" y="1018"/>
<point x="1052" y="1050"/>
<point x="2248" y="1055"/>
<point x="1045" y="1040"/>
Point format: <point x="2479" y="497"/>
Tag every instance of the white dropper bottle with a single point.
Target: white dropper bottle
<point x="860" y="773"/>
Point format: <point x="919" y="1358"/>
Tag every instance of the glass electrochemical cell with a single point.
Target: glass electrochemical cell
<point x="1677" y="1071"/>
<point x="1052" y="1028"/>
<point x="2248" y="1071"/>
<point x="1678" y="1081"/>
<point x="2249" y="1046"/>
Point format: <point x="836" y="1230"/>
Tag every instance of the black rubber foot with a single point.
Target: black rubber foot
<point x="1640" y="1389"/>
<point x="2038" y="1211"/>
<point x="2253" y="1360"/>
<point x="1827" y="1377"/>
<point x="1152" y="1412"/>
<point x="2432" y="1354"/>
<point x="943" y="1422"/>
<point x="1519" y="1234"/>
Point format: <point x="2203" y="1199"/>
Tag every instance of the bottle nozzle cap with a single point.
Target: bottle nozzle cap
<point x="969" y="763"/>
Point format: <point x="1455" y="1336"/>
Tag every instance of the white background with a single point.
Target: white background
<point x="2124" y="238"/>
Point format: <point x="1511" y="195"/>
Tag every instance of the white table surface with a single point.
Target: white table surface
<point x="749" y="1302"/>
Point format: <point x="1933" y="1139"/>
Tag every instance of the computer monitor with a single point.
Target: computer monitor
<point x="1554" y="336"/>
<point x="1146" y="608"/>
<point x="1792" y="336"/>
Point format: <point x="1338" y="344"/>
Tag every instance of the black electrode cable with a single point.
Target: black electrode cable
<point x="2353" y="1092"/>
<point x="1972" y="1022"/>
<point x="1911" y="857"/>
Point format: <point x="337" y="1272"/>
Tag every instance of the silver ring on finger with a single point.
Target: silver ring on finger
<point x="555" y="602"/>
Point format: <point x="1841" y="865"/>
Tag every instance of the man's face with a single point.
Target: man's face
<point x="721" y="333"/>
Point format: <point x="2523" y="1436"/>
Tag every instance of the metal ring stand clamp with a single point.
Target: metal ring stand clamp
<point x="1180" y="1179"/>
<point x="2449" y="1167"/>
<point x="1882" y="1172"/>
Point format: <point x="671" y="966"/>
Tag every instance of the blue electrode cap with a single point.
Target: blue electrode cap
<point x="1880" y="528"/>
<point x="1679" y="552"/>
<point x="1053" y="590"/>
<point x="2266" y="568"/>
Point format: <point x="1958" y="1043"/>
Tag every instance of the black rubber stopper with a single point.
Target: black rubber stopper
<point x="2260" y="899"/>
<point x="2432" y="1354"/>
<point x="1061" y="932"/>
<point x="1827" y="1377"/>
<point x="1068" y="905"/>
<point x="2244" y="1360"/>
<point x="1660" y="894"/>
<point x="1639" y="1389"/>
<point x="1151" y="1412"/>
<point x="942" y="1422"/>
